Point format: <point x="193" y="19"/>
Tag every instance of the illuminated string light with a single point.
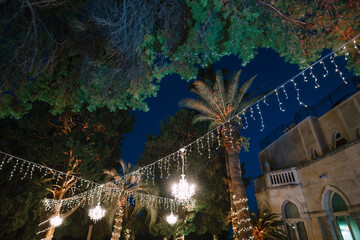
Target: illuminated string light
<point x="297" y="93"/>
<point x="280" y="103"/>
<point x="356" y="47"/>
<point x="27" y="170"/>
<point x="14" y="169"/>
<point x="305" y="78"/>
<point x="315" y="79"/>
<point x="218" y="137"/>
<point x="345" y="53"/>
<point x="264" y="101"/>
<point x="337" y="69"/>
<point x="285" y="93"/>
<point x="252" y="113"/>
<point x="245" y="120"/>
<point x="261" y="117"/>
<point x="327" y="72"/>
<point x="208" y="143"/>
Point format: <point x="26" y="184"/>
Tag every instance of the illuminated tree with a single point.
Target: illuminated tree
<point x="218" y="104"/>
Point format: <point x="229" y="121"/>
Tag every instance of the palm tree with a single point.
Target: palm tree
<point x="125" y="188"/>
<point x="265" y="227"/>
<point x="219" y="102"/>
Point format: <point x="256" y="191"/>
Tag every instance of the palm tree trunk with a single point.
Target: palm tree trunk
<point x="118" y="220"/>
<point x="240" y="213"/>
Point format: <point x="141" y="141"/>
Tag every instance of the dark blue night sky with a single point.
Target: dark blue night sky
<point x="271" y="72"/>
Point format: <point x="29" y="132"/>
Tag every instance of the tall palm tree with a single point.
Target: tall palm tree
<point x="125" y="188"/>
<point x="265" y="226"/>
<point x="219" y="102"/>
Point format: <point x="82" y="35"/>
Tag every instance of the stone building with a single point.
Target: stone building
<point x="311" y="169"/>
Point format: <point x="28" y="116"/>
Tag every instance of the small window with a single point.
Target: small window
<point x="338" y="140"/>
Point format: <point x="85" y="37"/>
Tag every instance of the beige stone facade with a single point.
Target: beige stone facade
<point x="311" y="175"/>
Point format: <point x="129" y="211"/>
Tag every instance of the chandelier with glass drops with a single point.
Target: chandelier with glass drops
<point x="183" y="191"/>
<point x="56" y="221"/>
<point x="171" y="219"/>
<point x="97" y="213"/>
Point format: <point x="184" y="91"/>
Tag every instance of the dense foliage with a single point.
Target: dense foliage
<point x="93" y="139"/>
<point x="110" y="53"/>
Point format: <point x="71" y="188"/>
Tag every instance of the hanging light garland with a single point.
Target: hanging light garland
<point x="183" y="191"/>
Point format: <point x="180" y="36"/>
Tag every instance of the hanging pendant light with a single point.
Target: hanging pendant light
<point x="56" y="221"/>
<point x="183" y="191"/>
<point x="96" y="213"/>
<point x="171" y="219"/>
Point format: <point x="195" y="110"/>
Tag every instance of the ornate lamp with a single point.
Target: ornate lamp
<point x="171" y="219"/>
<point x="183" y="191"/>
<point x="96" y="213"/>
<point x="56" y="221"/>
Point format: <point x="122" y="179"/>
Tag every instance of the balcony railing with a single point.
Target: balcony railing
<point x="282" y="177"/>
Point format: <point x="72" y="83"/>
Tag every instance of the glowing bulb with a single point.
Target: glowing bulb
<point x="171" y="219"/>
<point x="56" y="221"/>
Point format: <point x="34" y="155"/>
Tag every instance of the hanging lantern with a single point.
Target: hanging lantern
<point x="183" y="191"/>
<point x="171" y="219"/>
<point x="56" y="221"/>
<point x="97" y="213"/>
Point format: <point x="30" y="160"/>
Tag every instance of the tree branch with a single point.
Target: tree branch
<point x="281" y="14"/>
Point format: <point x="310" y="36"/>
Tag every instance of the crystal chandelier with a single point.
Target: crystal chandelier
<point x="56" y="221"/>
<point x="171" y="219"/>
<point x="183" y="191"/>
<point x="96" y="213"/>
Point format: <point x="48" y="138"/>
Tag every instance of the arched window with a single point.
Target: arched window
<point x="338" y="140"/>
<point x="295" y="227"/>
<point x="344" y="224"/>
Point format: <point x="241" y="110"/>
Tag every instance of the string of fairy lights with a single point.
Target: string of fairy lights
<point x="147" y="173"/>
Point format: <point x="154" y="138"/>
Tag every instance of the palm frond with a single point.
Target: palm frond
<point x="199" y="106"/>
<point x="205" y="92"/>
<point x="240" y="94"/>
<point x="233" y="87"/>
<point x="201" y="118"/>
<point x="219" y="91"/>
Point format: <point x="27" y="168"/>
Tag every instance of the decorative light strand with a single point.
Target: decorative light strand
<point x="285" y="93"/>
<point x="305" y="78"/>
<point x="280" y="103"/>
<point x="345" y="53"/>
<point x="327" y="72"/>
<point x="261" y="117"/>
<point x="298" y="93"/>
<point x="247" y="125"/>
<point x="356" y="47"/>
<point x="252" y="113"/>
<point x="337" y="69"/>
<point x="315" y="79"/>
